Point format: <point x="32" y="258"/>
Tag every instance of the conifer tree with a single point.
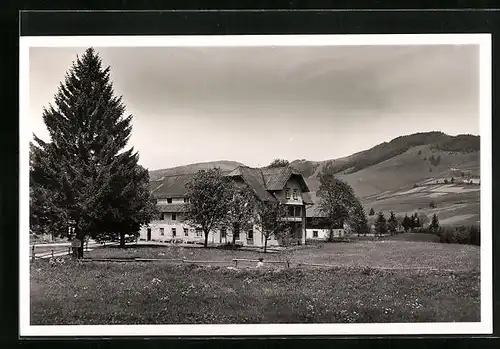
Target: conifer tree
<point x="392" y="224"/>
<point x="83" y="177"/>
<point x="381" y="225"/>
<point x="434" y="226"/>
<point x="407" y="223"/>
<point x="372" y="212"/>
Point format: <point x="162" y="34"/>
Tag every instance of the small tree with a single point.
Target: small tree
<point x="209" y="195"/>
<point x="337" y="200"/>
<point x="407" y="223"/>
<point x="392" y="224"/>
<point x="415" y="222"/>
<point x="452" y="180"/>
<point x="381" y="225"/>
<point x="434" y="226"/>
<point x="357" y="219"/>
<point x="278" y="163"/>
<point x="241" y="208"/>
<point x="372" y="212"/>
<point x="445" y="181"/>
<point x="422" y="220"/>
<point x="270" y="217"/>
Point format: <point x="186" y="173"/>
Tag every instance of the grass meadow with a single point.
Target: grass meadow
<point x="354" y="290"/>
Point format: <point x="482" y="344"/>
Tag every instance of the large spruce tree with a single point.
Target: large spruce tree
<point x="83" y="177"/>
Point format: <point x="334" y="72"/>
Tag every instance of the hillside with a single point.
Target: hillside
<point x="403" y="175"/>
<point x="192" y="168"/>
<point x="435" y="140"/>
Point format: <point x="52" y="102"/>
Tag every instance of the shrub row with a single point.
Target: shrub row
<point x="466" y="235"/>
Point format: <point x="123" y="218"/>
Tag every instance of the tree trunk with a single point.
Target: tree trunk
<point x="206" y="239"/>
<point x="80" y="235"/>
<point x="265" y="244"/>
<point x="236" y="229"/>
<point x="122" y="240"/>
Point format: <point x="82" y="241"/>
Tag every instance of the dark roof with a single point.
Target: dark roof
<point x="261" y="181"/>
<point x="277" y="177"/>
<point x="254" y="179"/>
<point x="170" y="186"/>
<point x="175" y="208"/>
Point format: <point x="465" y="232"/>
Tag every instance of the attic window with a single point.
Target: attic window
<point x="295" y="194"/>
<point x="169" y="200"/>
<point x="287" y="193"/>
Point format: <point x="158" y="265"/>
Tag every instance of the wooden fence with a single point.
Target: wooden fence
<point x="53" y="251"/>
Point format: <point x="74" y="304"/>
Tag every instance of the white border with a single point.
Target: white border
<point x="483" y="327"/>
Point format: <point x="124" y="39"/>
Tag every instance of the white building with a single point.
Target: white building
<point x="282" y="184"/>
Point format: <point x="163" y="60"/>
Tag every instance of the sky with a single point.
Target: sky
<point x="255" y="104"/>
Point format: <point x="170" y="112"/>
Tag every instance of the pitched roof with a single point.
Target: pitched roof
<point x="170" y="186"/>
<point x="261" y="181"/>
<point x="175" y="208"/>
<point x="253" y="177"/>
<point x="276" y="177"/>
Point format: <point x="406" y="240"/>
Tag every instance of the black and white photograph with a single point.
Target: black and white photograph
<point x="255" y="185"/>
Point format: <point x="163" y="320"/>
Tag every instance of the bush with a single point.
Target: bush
<point x="460" y="235"/>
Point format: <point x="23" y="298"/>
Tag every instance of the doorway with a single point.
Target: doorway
<point x="149" y="234"/>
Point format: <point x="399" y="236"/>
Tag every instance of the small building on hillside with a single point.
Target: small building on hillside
<point x="282" y="184"/>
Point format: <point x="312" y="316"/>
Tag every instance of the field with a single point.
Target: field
<point x="455" y="204"/>
<point x="357" y="289"/>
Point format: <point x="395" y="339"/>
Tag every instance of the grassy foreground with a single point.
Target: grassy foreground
<point x="380" y="254"/>
<point x="159" y="293"/>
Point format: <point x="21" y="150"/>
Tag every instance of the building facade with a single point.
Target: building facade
<point x="283" y="184"/>
<point x="318" y="227"/>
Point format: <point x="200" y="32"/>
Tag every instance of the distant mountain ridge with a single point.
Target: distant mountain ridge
<point x="384" y="151"/>
<point x="192" y="168"/>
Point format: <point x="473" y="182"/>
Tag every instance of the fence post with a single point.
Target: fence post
<point x="236" y="263"/>
<point x="288" y="264"/>
<point x="33" y="253"/>
<point x="52" y="253"/>
<point x="69" y="250"/>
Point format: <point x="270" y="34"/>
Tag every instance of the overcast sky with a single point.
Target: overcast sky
<point x="254" y="104"/>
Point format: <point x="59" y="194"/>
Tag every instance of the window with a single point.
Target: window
<point x="174" y="232"/>
<point x="295" y="194"/>
<point x="162" y="216"/>
<point x="223" y="232"/>
<point x="291" y="211"/>
<point x="169" y="200"/>
<point x="315" y="233"/>
<point x="287" y="193"/>
<point x="186" y="200"/>
<point x="250" y="234"/>
<point x="186" y="233"/>
<point x="298" y="211"/>
<point x="198" y="232"/>
<point x="162" y="231"/>
<point x="236" y="233"/>
<point x="174" y="216"/>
